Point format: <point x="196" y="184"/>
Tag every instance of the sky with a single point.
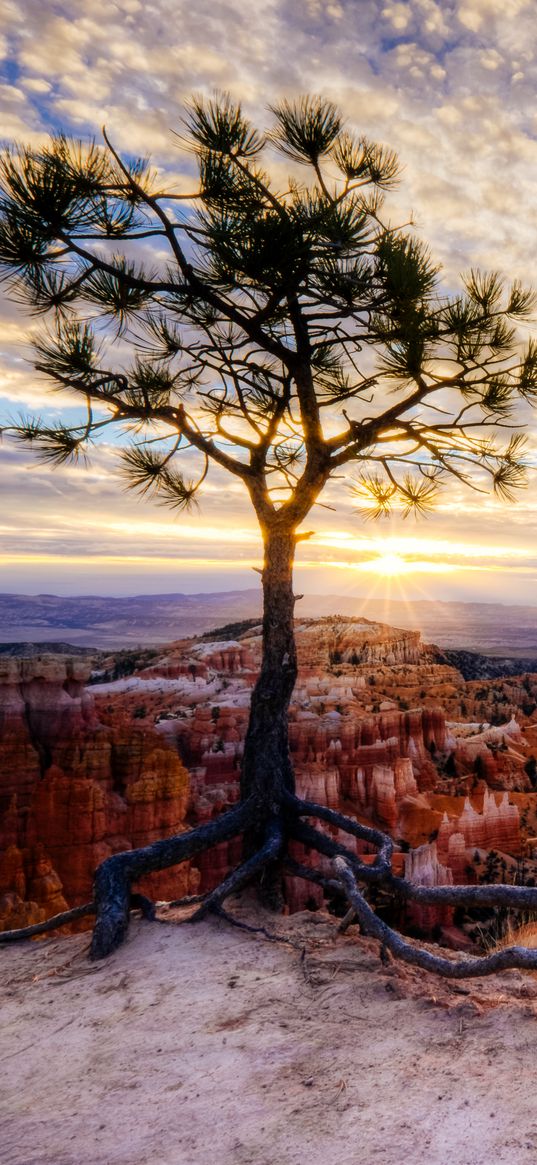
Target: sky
<point x="451" y="87"/>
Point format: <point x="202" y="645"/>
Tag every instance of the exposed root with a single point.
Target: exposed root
<point x="147" y="907"/>
<point x="390" y="940"/>
<point x="244" y="873"/>
<point x="351" y="870"/>
<point x="187" y="900"/>
<point x="323" y="843"/>
<point x="13" y="936"/>
<point x="348" y="919"/>
<point x="238" y="922"/>
<point x="376" y="837"/>
<point x="114" y="899"/>
<point x="494" y="894"/>
<point x="298" y="870"/>
<point x="115" y="876"/>
<point x="137" y="902"/>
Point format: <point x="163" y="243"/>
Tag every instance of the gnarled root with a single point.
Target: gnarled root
<point x="67" y="916"/>
<point x="390" y="940"/>
<point x="136" y="902"/>
<point x="269" y="852"/>
<point x="113" y="879"/>
<point x="349" y="871"/>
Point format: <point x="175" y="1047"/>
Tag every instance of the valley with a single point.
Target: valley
<point x="379" y="728"/>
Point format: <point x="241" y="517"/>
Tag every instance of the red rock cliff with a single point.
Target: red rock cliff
<point x="73" y="791"/>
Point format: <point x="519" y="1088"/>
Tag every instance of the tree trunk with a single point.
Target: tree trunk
<point x="267" y="771"/>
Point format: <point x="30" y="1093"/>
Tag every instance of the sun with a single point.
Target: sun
<point x="390" y="565"/>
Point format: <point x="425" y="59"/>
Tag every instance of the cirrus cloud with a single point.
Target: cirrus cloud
<point x="449" y="85"/>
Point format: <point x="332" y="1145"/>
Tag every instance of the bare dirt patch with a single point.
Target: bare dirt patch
<point x="205" y="1045"/>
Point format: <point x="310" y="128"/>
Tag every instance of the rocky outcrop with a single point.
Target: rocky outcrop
<point x="393" y="766"/>
<point x="88" y="772"/>
<point x="73" y="791"/>
<point x="322" y="643"/>
<point x="493" y="826"/>
<point x="423" y="868"/>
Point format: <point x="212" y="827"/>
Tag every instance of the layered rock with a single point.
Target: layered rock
<point x="82" y="791"/>
<point x="85" y="773"/>
<point x="496" y="826"/>
<point x="333" y="641"/>
<point x="423" y="868"/>
<point x="384" y="766"/>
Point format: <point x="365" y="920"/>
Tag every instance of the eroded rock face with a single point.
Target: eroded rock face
<point x="73" y="791"/>
<point x="357" y="742"/>
<point x="423" y="867"/>
<point x="85" y="773"/>
<point x="328" y="642"/>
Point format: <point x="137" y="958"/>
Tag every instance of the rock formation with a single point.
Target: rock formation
<point x="73" y="791"/>
<point x="85" y="772"/>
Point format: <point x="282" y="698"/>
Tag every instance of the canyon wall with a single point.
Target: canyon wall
<point x="73" y="791"/>
<point x="86" y="772"/>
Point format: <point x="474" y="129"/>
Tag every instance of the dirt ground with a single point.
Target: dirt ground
<point x="206" y="1045"/>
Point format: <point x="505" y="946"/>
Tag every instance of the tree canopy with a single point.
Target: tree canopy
<point x="278" y="326"/>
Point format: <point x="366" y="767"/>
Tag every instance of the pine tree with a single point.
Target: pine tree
<point x="290" y="336"/>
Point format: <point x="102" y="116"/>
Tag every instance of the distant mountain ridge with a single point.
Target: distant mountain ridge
<point x="474" y="666"/>
<point x="26" y="650"/>
<point x="100" y="621"/>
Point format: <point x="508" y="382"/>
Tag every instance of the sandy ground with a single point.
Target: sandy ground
<point x="208" y="1046"/>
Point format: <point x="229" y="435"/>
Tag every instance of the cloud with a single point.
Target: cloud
<point x="450" y="86"/>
